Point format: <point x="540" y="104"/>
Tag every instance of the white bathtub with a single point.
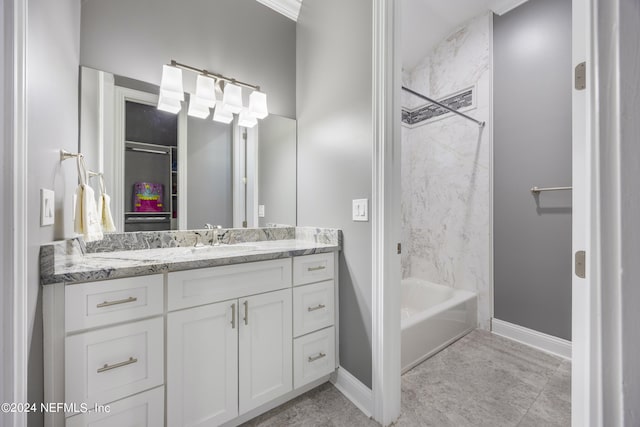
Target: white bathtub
<point x="433" y="316"/>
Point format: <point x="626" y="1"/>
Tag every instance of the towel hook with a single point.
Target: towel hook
<point x="65" y="155"/>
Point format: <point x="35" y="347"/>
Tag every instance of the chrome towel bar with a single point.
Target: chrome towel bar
<point x="536" y="190"/>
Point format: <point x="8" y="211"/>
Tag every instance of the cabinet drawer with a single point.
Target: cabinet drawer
<point x="143" y="410"/>
<point x="109" y="364"/>
<point x="314" y="356"/>
<point x="312" y="268"/>
<point x="102" y="303"/>
<point x="313" y="307"/>
<point x="207" y="285"/>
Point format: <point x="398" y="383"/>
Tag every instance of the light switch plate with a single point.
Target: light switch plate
<point x="360" y="210"/>
<point x="47" y="207"/>
<point x="261" y="211"/>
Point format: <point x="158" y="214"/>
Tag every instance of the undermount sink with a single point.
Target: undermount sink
<point x="175" y="253"/>
<point x="222" y="249"/>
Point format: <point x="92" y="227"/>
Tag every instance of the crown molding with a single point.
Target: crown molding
<point x="504" y="6"/>
<point x="289" y="8"/>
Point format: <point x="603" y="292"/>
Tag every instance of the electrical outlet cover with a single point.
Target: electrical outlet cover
<point x="47" y="207"/>
<point x="360" y="210"/>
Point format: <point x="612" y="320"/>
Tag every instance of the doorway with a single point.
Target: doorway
<point x="580" y="20"/>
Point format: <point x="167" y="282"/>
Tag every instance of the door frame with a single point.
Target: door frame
<point x="586" y="368"/>
<point x="385" y="208"/>
<point x="586" y="304"/>
<point x="15" y="320"/>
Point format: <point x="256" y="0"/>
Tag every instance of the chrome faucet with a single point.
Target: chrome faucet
<point x="197" y="243"/>
<point x="217" y="237"/>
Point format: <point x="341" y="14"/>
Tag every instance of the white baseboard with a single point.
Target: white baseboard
<point x="358" y="393"/>
<point x="547" y="343"/>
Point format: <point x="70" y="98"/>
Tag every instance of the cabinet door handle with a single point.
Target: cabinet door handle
<point x="317" y="307"/>
<point x="320" y="267"/>
<point x="108" y="367"/>
<point x="246" y="312"/>
<point x="120" y="301"/>
<point x="233" y="316"/>
<point x="319" y="356"/>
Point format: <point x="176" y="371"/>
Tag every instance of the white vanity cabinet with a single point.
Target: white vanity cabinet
<point x="226" y="358"/>
<point x="314" y="307"/>
<point x="202" y="347"/>
<point x="104" y="346"/>
<point x="223" y="361"/>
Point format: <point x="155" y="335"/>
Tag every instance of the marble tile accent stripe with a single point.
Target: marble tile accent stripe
<point x="429" y="111"/>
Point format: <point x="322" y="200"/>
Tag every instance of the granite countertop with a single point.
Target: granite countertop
<point x="135" y="254"/>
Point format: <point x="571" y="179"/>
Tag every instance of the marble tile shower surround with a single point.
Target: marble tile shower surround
<point x="66" y="260"/>
<point x="446" y="170"/>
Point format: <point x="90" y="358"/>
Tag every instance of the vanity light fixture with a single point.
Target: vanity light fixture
<point x="206" y="91"/>
<point x="247" y="119"/>
<point x="212" y="91"/>
<point x="169" y="105"/>
<point x="171" y="92"/>
<point x="232" y="98"/>
<point x="258" y="105"/>
<point x="221" y="115"/>
<point x="197" y="108"/>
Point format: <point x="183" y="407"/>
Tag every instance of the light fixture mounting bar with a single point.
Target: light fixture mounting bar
<point x="217" y="76"/>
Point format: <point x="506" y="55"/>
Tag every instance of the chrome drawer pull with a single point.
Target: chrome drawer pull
<point x="120" y="301"/>
<point x="320" y="267"/>
<point x="319" y="356"/>
<point x="246" y="312"/>
<point x="317" y="307"/>
<point x="107" y="367"/>
<point x="233" y="316"/>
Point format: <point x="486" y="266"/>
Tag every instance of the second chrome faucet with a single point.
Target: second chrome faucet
<point x="217" y="237"/>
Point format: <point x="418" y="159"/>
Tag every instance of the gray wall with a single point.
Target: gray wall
<point x="630" y="176"/>
<point x="239" y="38"/>
<point x="209" y="191"/>
<point x="619" y="208"/>
<point x="532" y="146"/>
<point x="334" y="113"/>
<point x="277" y="170"/>
<point x="53" y="44"/>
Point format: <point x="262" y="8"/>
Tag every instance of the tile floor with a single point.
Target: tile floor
<point x="480" y="380"/>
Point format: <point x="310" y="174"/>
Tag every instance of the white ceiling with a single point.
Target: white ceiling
<point x="427" y="22"/>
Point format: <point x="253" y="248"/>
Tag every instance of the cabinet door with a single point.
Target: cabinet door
<point x="266" y="369"/>
<point x="202" y="365"/>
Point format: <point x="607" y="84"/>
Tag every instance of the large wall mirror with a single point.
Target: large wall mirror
<point x="166" y="171"/>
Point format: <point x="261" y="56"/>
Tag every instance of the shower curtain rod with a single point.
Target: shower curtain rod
<point x="426" y="98"/>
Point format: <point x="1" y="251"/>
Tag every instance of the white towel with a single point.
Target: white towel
<point x="104" y="209"/>
<point x="86" y="221"/>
